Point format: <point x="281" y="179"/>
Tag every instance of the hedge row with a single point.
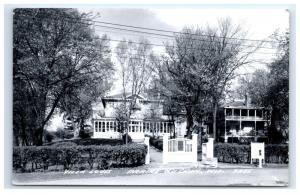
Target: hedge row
<point x="157" y="143"/>
<point x="91" y="141"/>
<point x="236" y="153"/>
<point x="73" y="157"/>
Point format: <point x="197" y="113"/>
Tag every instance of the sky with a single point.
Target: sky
<point x="258" y="23"/>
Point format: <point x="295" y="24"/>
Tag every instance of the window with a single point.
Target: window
<point x="144" y="127"/>
<point x="96" y="126"/>
<point x="236" y="112"/>
<point x="100" y="126"/>
<point x="259" y="113"/>
<point x="244" y="112"/>
<point x="228" y="112"/>
<point x="111" y="126"/>
<point x="115" y="126"/>
<point x="148" y="127"/>
<point x="103" y="126"/>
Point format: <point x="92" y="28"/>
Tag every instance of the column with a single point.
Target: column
<point x="147" y="158"/>
<point x="165" y="149"/>
<point x="194" y="147"/>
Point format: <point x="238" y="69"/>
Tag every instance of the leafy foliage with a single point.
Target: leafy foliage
<point x="237" y="153"/>
<point x="197" y="69"/>
<point x="74" y="157"/>
<point x="270" y="89"/>
<point x="56" y="58"/>
<point x="157" y="143"/>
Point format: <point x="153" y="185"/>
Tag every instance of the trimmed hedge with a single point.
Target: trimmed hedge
<point x="236" y="153"/>
<point x="90" y="141"/>
<point x="157" y="143"/>
<point x="72" y="157"/>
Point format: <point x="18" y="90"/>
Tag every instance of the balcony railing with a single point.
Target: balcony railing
<point x="249" y="118"/>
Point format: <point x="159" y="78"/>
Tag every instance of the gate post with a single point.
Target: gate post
<point x="195" y="147"/>
<point x="147" y="159"/>
<point x="165" y="149"/>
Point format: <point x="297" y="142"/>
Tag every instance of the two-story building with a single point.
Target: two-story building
<point x="242" y="122"/>
<point x="147" y="118"/>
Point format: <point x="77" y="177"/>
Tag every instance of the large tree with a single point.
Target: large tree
<point x="199" y="66"/>
<point x="135" y="73"/>
<point x="56" y="54"/>
<point x="270" y="88"/>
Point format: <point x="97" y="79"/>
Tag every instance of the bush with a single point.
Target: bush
<point x="75" y="157"/>
<point x="49" y="136"/>
<point x="89" y="141"/>
<point x="237" y="153"/>
<point x="157" y="143"/>
<point x="86" y="132"/>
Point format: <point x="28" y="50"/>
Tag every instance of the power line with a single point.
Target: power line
<point x="177" y="32"/>
<point x="159" y="45"/>
<point x="171" y="36"/>
<point x="151" y="33"/>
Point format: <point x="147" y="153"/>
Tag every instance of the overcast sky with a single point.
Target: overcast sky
<point x="259" y="24"/>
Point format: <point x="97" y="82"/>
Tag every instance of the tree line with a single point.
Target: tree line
<point x="61" y="65"/>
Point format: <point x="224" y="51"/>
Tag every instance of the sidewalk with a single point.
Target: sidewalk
<point x="157" y="173"/>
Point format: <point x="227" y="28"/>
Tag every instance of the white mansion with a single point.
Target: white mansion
<point x="148" y="118"/>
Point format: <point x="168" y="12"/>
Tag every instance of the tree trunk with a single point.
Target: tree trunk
<point x="189" y="121"/>
<point x="38" y="136"/>
<point x="215" y="120"/>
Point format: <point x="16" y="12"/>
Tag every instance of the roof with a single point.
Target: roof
<point x="240" y="104"/>
<point x="121" y="95"/>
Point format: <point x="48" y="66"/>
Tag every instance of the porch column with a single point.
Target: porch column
<point x="194" y="147"/>
<point x="165" y="149"/>
<point x="147" y="159"/>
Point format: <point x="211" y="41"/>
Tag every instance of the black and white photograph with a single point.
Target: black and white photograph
<point x="150" y="96"/>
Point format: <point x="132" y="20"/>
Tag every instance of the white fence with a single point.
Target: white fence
<point x="179" y="149"/>
<point x="258" y="152"/>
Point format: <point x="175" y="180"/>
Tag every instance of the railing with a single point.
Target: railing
<point x="180" y="145"/>
<point x="244" y="118"/>
<point x="179" y="149"/>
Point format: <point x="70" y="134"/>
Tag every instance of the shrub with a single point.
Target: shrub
<point x="74" y="157"/>
<point x="86" y="132"/>
<point x="49" y="136"/>
<point x="89" y="141"/>
<point x="237" y="153"/>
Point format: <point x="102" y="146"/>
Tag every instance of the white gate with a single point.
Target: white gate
<point x="179" y="149"/>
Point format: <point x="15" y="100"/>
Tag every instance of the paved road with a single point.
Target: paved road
<point x="172" y="174"/>
<point x="164" y="176"/>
